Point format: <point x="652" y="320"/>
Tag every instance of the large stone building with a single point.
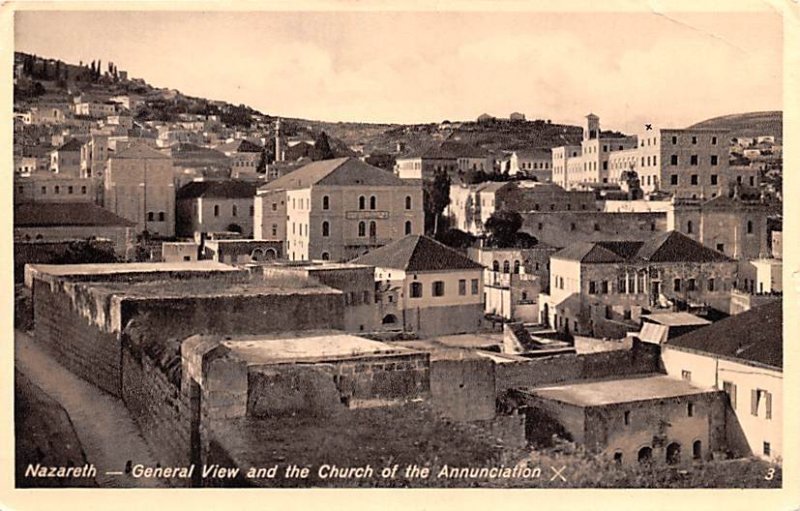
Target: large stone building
<point x="215" y="206"/>
<point x="139" y="186"/>
<point x="337" y="209"/>
<point x="601" y="288"/>
<point x="743" y="356"/>
<point x="426" y="287"/>
<point x="244" y="156"/>
<point x="66" y="160"/>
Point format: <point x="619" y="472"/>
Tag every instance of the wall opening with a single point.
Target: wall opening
<point x="645" y="455"/>
<point x="697" y="450"/>
<point x="674" y="453"/>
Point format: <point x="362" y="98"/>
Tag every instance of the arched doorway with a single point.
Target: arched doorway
<point x="674" y="453"/>
<point x="257" y="255"/>
<point x="270" y="254"/>
<point x="697" y="450"/>
<point x="389" y="319"/>
<point x="645" y="454"/>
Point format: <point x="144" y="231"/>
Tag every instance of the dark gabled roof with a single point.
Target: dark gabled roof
<point x="666" y="247"/>
<point x="240" y="146"/>
<point x="417" y="253"/>
<point x="753" y="336"/>
<point x="72" y="145"/>
<point x="140" y="152"/>
<point x="449" y="150"/>
<point x="672" y="246"/>
<point x="62" y="214"/>
<point x="218" y="190"/>
<point x="335" y="172"/>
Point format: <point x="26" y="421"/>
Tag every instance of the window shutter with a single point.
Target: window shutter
<point x="769" y="405"/>
<point x="754" y="402"/>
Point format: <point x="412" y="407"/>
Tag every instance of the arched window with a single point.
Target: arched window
<point x="689" y="227"/>
<point x="373" y="202"/>
<point x="326" y="202"/>
<point x="362" y="228"/>
<point x="506" y="267"/>
<point x="495" y="266"/>
<point x="326" y="256"/>
<point x="408" y="202"/>
<point x="362" y="202"/>
<point x="516" y="266"/>
<point x="408" y="227"/>
<point x="326" y="229"/>
<point x="373" y="229"/>
<point x="645" y="455"/>
<point x="697" y="450"/>
<point x="674" y="453"/>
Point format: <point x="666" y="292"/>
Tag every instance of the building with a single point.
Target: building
<point x="647" y="419"/>
<point x="563" y="228"/>
<point x="239" y="251"/>
<point x="561" y="157"/>
<point x="761" y="276"/>
<point x="179" y="251"/>
<point x="49" y="187"/>
<point x="59" y="221"/>
<point x="244" y="156"/>
<point x="66" y="160"/>
<point x="471" y="205"/>
<point x="454" y="158"/>
<point x="337" y="209"/>
<point x="139" y="186"/>
<point x="743" y="356"/>
<point x="426" y="287"/>
<point x="602" y="288"/>
<point x="96" y="109"/>
<point x="213" y="206"/>
<point x="536" y="164"/>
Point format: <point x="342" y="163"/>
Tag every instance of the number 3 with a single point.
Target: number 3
<point x="770" y="474"/>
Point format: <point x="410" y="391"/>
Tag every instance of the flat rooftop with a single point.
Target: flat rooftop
<point x="676" y="319"/>
<point x="307" y="346"/>
<point x="60" y="270"/>
<point x="620" y="390"/>
<point x="179" y="288"/>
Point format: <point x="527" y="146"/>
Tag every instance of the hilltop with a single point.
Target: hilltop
<point x="750" y="124"/>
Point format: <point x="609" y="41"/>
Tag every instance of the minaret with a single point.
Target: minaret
<point x="278" y="146"/>
<point x="592" y="129"/>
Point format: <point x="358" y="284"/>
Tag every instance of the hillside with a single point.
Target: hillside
<point x="750" y="124"/>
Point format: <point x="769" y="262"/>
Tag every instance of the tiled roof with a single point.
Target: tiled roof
<point x="417" y="253"/>
<point x="61" y="214"/>
<point x="139" y="152"/>
<point x="218" y="190"/>
<point x="335" y="172"/>
<point x="755" y="336"/>
<point x="72" y="145"/>
<point x="667" y="247"/>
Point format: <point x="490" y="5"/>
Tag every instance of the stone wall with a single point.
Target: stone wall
<point x="541" y="371"/>
<point x="562" y="228"/>
<point x="446" y="320"/>
<point x="463" y="389"/>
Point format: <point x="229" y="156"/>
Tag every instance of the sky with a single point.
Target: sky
<point x="669" y="69"/>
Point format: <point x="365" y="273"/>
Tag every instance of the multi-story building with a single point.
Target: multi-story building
<point x="337" y="209"/>
<point x="244" y="156"/>
<point x="743" y="356"/>
<point x="600" y="288"/>
<point x="537" y="164"/>
<point x="96" y="109"/>
<point x="66" y="160"/>
<point x="49" y="187"/>
<point x="426" y="287"/>
<point x="139" y="186"/>
<point x="561" y="157"/>
<point x="471" y="205"/>
<point x="215" y="206"/>
<point x="454" y="158"/>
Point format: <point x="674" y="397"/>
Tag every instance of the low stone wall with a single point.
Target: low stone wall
<point x="446" y="320"/>
<point x="464" y="389"/>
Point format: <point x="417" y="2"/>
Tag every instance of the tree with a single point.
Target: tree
<point x="456" y="238"/>
<point x="503" y="225"/>
<point x="436" y="197"/>
<point x="322" y="148"/>
<point x="261" y="168"/>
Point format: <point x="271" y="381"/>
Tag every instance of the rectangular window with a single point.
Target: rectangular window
<point x="462" y="287"/>
<point x="438" y="288"/>
<point x="604" y="287"/>
<point x="694" y="140"/>
<point x="626" y="417"/>
<point x="674" y="140"/>
<point x="677" y="285"/>
<point x="690" y="409"/>
<point x="730" y="390"/>
<point x="711" y="284"/>
<point x="673" y="179"/>
<point x="690" y="285"/>
<point x="274" y="206"/>
<point x="714" y="159"/>
<point x="713" y="179"/>
<point x="767" y="449"/>
<point x="713" y="140"/>
<point x="721" y="247"/>
<point x="693" y="159"/>
<point x="686" y="375"/>
<point x="416" y="290"/>
<point x="592" y="287"/>
<point x="694" y="179"/>
<point x="474" y="286"/>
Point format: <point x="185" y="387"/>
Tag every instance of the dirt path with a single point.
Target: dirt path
<point x="106" y="430"/>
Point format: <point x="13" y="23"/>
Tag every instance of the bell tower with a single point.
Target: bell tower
<point x="592" y="129"/>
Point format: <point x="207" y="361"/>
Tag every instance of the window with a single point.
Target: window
<point x="326" y="202"/>
<point x="604" y="287"/>
<point x="362" y="229"/>
<point x="767" y="449"/>
<point x="373" y="229"/>
<point x="274" y="206"/>
<point x="44" y="190"/>
<point x="721" y="247"/>
<point x="592" y="287"/>
<point x="677" y="285"/>
<point x="686" y="375"/>
<point x="408" y="202"/>
<point x="694" y="180"/>
<point x="57" y="189"/>
<point x="673" y="160"/>
<point x="752" y="181"/>
<point x="749" y="227"/>
<point x="626" y="417"/>
<point x="673" y="179"/>
<point x="596" y="227"/>
<point x="438" y="288"/>
<point x="495" y="265"/>
<point x="674" y="140"/>
<point x="697" y="450"/>
<point x="161" y="216"/>
<point x="690" y="285"/>
<point x="474" y="284"/>
<point x="572" y="226"/>
<point x="694" y="140"/>
<point x="693" y="159"/>
<point x="714" y="159"/>
<point x="216" y="210"/>
<point x="234" y="210"/>
<point x="713" y="140"/>
<point x="416" y="290"/>
<point x="689" y="227"/>
<point x="326" y="229"/>
<point x="70" y="190"/>
<point x="516" y="266"/>
<point x="690" y="409"/>
<point x="730" y="390"/>
<point x="462" y="287"/>
<point x="618" y="458"/>
<point x="362" y="202"/>
<point x="326" y="256"/>
<point x="151" y="216"/>
<point x="373" y="202"/>
<point x="711" y="284"/>
<point x="408" y="227"/>
<point x="713" y="179"/>
<point x="252" y="210"/>
<point x="274" y="229"/>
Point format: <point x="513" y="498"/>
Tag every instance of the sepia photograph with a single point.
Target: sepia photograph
<point x="356" y="248"/>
